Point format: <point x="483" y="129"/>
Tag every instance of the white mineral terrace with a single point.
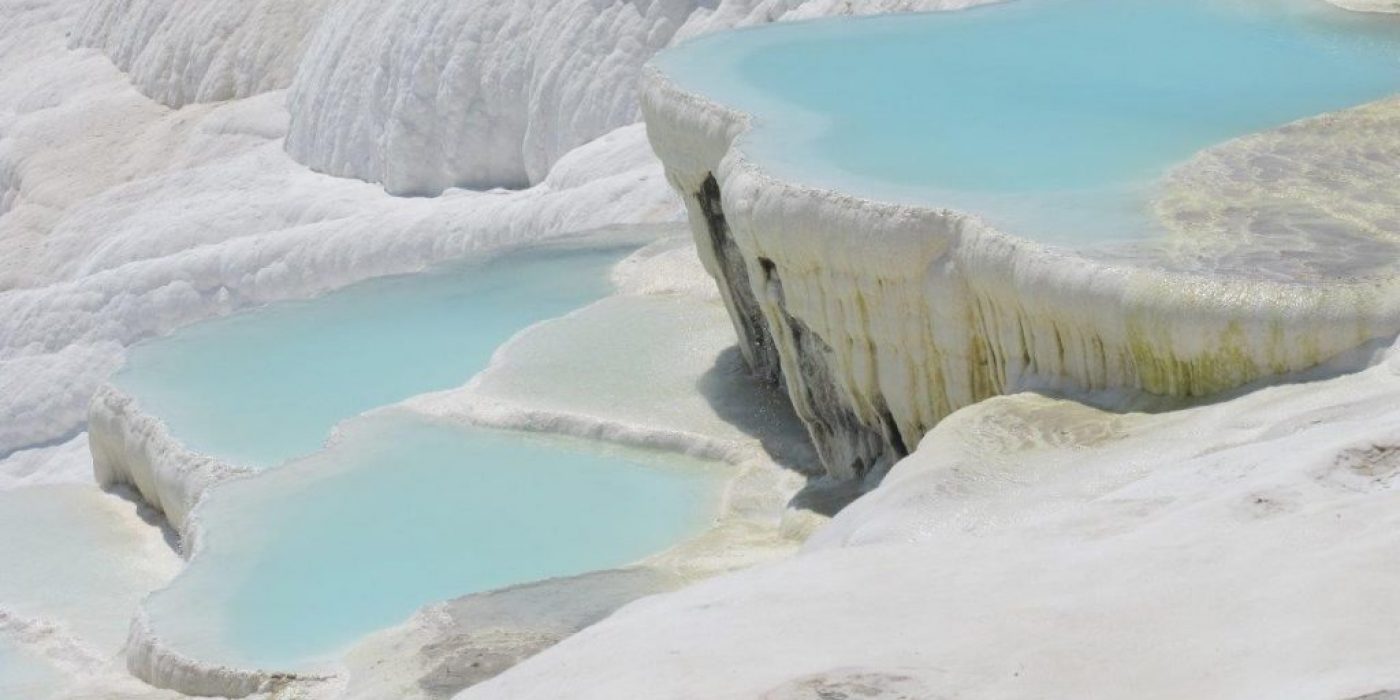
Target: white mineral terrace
<point x="884" y="312"/>
<point x="1089" y="305"/>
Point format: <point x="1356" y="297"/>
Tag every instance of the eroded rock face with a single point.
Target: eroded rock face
<point x="849" y="447"/>
<point x="754" y="296"/>
<point x="756" y="341"/>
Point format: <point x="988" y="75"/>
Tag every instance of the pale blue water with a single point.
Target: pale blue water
<point x="1050" y="115"/>
<point x="301" y="561"/>
<point x="25" y="675"/>
<point x="259" y="388"/>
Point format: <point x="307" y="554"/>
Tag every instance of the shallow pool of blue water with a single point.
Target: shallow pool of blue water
<point x="1056" y="115"/>
<point x="24" y="674"/>
<point x="297" y="563"/>
<point x="301" y="561"/>
<point x="259" y="388"/>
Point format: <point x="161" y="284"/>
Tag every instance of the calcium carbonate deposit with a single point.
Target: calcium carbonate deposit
<point x="427" y="349"/>
<point x="862" y="191"/>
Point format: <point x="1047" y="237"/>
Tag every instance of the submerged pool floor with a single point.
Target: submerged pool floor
<point x="1052" y="118"/>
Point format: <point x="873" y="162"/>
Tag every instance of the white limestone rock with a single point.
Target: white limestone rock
<point x="182" y="51"/>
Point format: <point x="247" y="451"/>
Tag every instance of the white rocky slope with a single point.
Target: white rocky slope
<point x="1040" y="548"/>
<point x="178" y="52"/>
<point x="121" y="218"/>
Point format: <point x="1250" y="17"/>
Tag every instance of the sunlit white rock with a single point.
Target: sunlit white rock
<point x="1040" y="547"/>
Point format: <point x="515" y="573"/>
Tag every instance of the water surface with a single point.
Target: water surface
<point x="261" y="387"/>
<point x="1053" y="117"/>
<point x="301" y="561"/>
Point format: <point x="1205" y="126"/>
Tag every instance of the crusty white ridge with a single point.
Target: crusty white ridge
<point x="135" y="448"/>
<point x="178" y="52"/>
<point x="882" y="319"/>
<point x="426" y="96"/>
<point x="149" y="659"/>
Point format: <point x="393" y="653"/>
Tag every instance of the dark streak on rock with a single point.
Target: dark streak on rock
<point x="754" y="336"/>
<point x="847" y="446"/>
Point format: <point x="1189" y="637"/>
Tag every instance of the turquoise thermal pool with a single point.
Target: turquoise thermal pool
<point x="1050" y="118"/>
<point x="296" y="563"/>
<point x="259" y="388"/>
<point x="301" y="561"/>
